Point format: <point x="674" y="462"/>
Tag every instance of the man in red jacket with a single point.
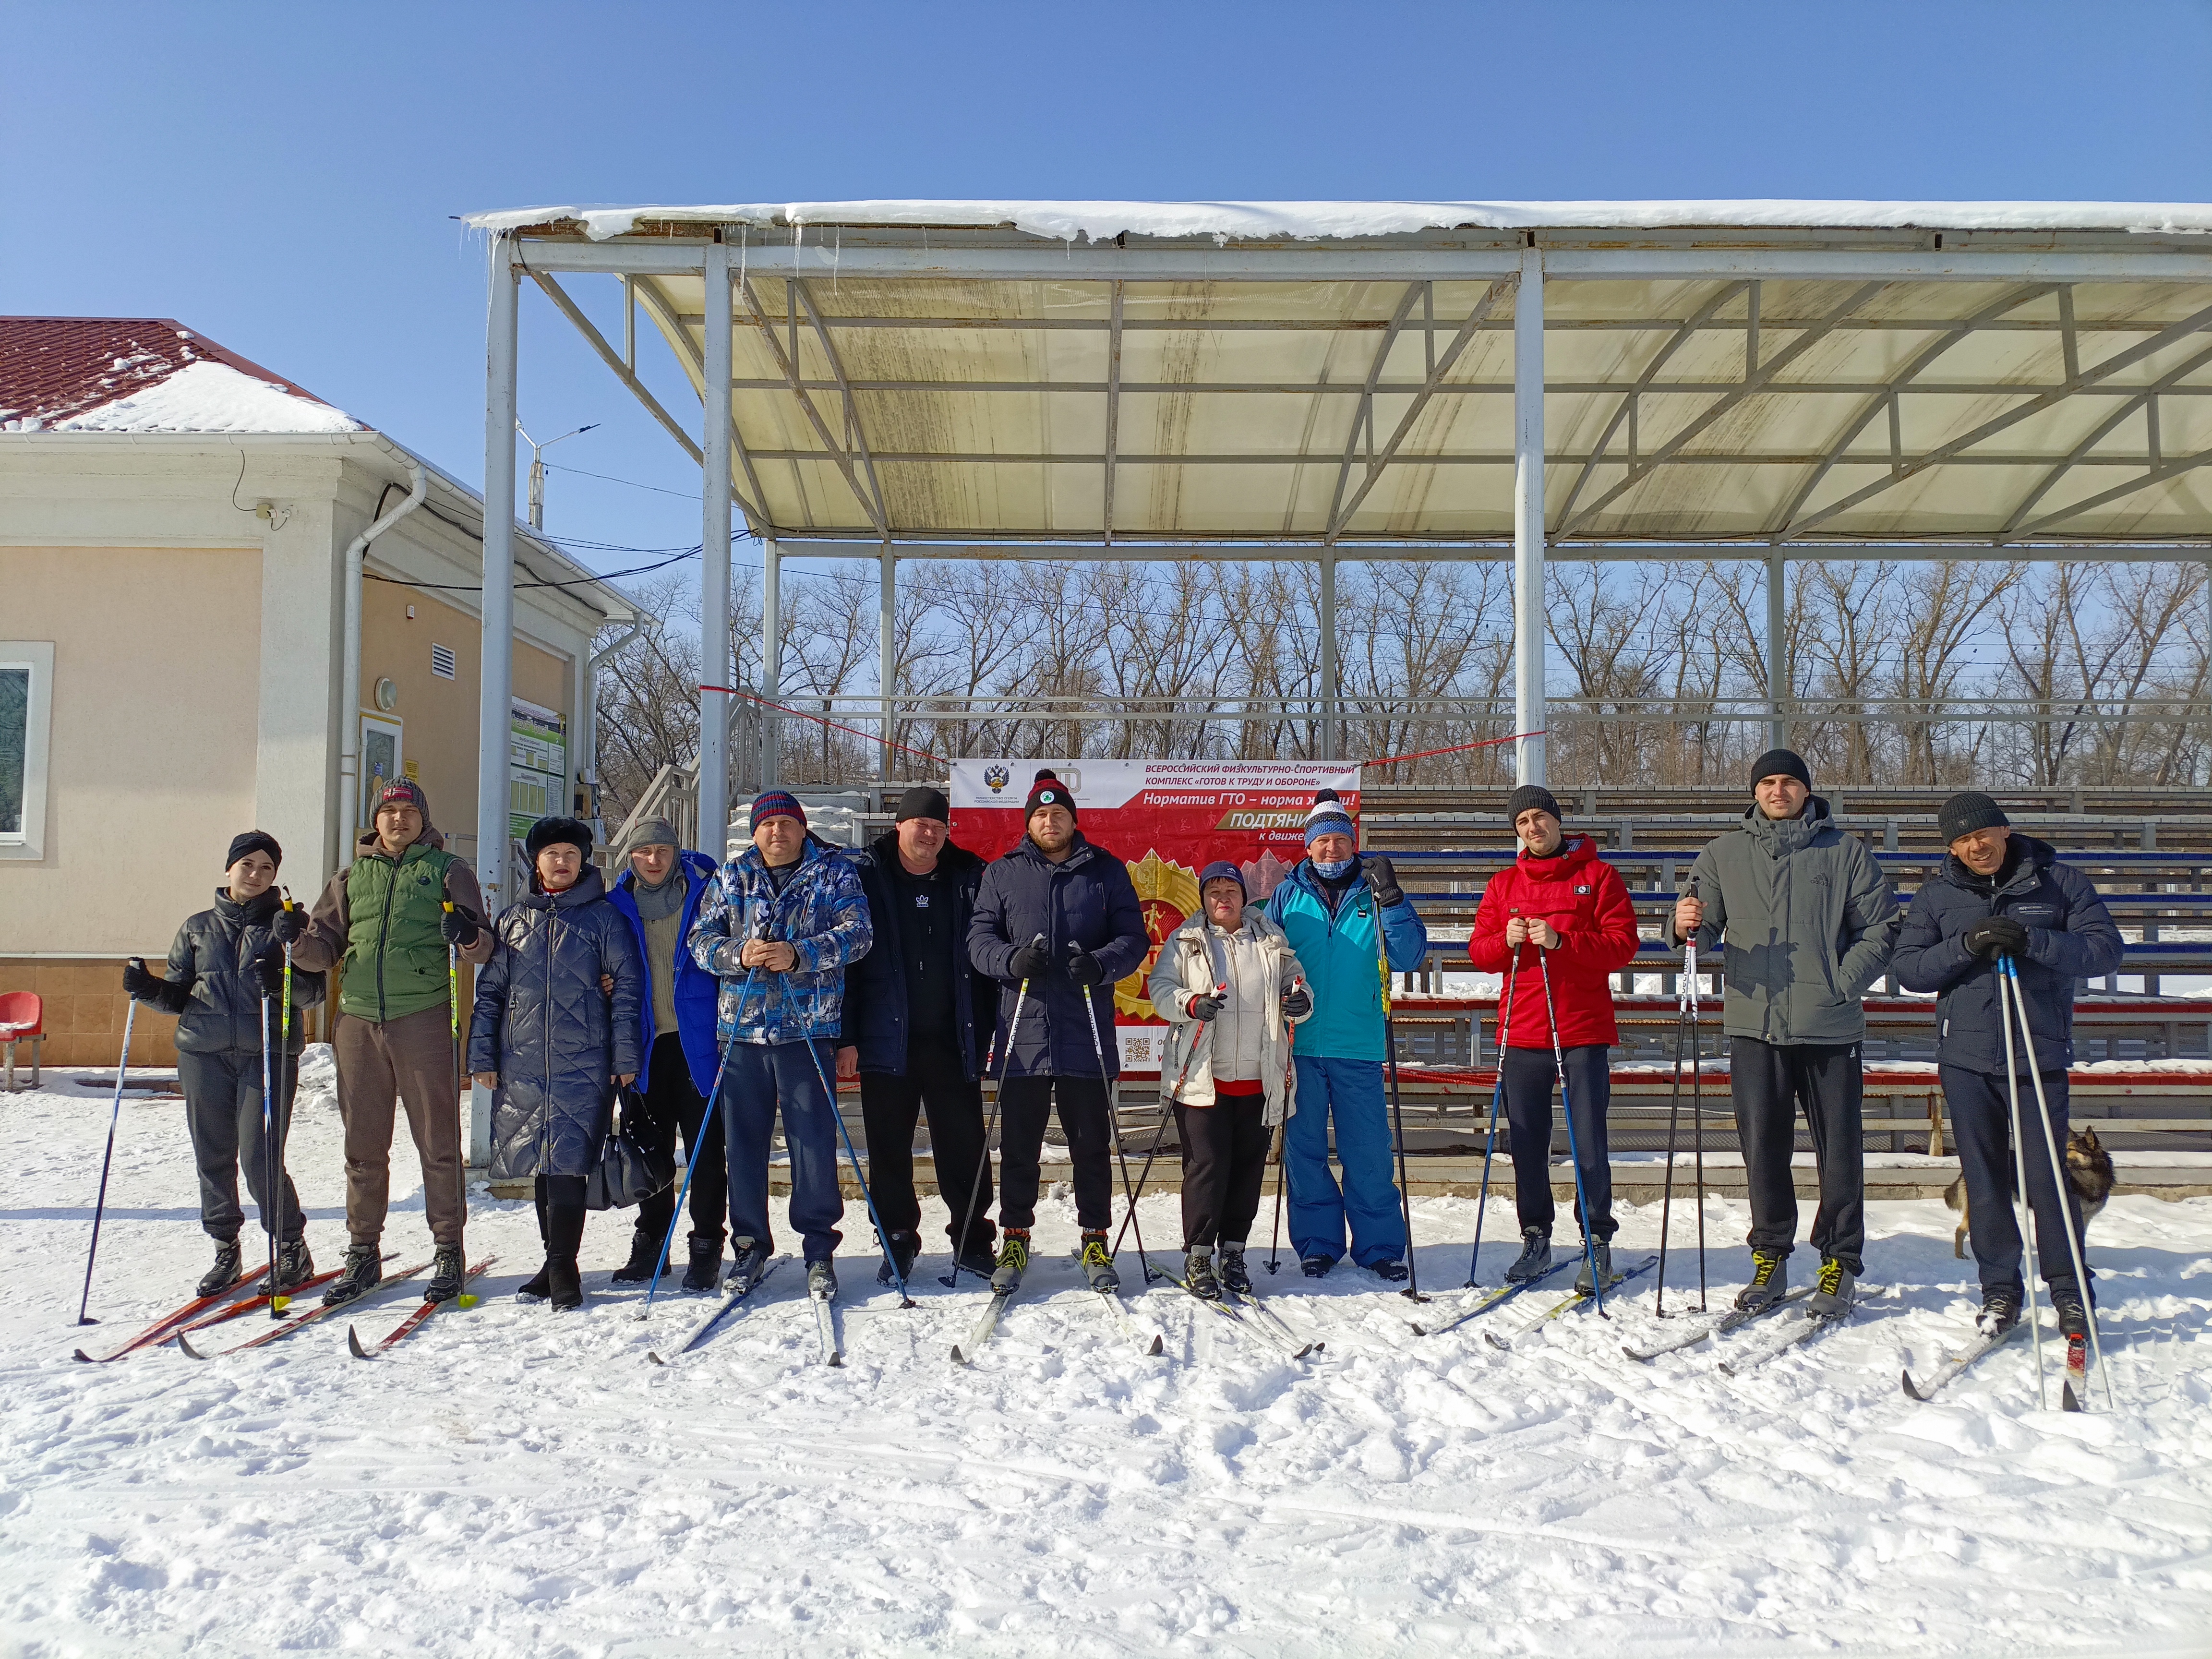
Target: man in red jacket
<point x="1562" y="899"/>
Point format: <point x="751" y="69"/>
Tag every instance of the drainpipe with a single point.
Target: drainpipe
<point x="349" y="683"/>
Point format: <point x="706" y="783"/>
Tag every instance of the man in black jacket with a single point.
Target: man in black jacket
<point x="2000" y="894"/>
<point x="1062" y="914"/>
<point x="912" y="1029"/>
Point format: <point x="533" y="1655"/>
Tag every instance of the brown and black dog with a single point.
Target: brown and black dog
<point x="2088" y="1172"/>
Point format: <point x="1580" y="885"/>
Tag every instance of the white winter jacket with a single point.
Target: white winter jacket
<point x="1249" y="1037"/>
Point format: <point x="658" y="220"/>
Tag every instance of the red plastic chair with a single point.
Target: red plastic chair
<point x="22" y="1019"/>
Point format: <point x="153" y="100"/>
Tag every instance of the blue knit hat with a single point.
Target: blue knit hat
<point x="1222" y="869"/>
<point x="1327" y="817"/>
<point x="774" y="804"/>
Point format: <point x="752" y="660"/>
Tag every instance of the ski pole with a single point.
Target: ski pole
<point x="1160" y="1134"/>
<point x="1113" y="1129"/>
<point x="1574" y="1152"/>
<point x="2063" y="1191"/>
<point x="1684" y="991"/>
<point x="2019" y="1171"/>
<point x="282" y="1128"/>
<point x="99" y="1206"/>
<point x="453" y="1004"/>
<point x="1497" y="1098"/>
<point x="990" y="1128"/>
<point x="268" y="1145"/>
<point x="1697" y="1103"/>
<point x="883" y="1237"/>
<point x="1280" y="1141"/>
<point x="1413" y="1291"/>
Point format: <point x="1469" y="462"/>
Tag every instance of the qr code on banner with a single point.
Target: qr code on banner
<point x="1140" y="1048"/>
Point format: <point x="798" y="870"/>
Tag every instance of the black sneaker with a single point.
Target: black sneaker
<point x="1603" y="1252"/>
<point x="980" y="1258"/>
<point x="905" y="1246"/>
<point x="1198" y="1275"/>
<point x="224" y="1274"/>
<point x="362" y="1273"/>
<point x="822" y="1281"/>
<point x="1392" y="1272"/>
<point x="751" y="1262"/>
<point x="1098" y="1265"/>
<point x="1535" y="1259"/>
<point x="447" y="1271"/>
<point x="295" y="1267"/>
<point x="704" y="1271"/>
<point x="1317" y="1266"/>
<point x="1770" y="1281"/>
<point x="2073" y="1317"/>
<point x="2000" y="1312"/>
<point x="1013" y="1260"/>
<point x="646" y="1253"/>
<point x="1234" y="1278"/>
<point x="1835" y="1289"/>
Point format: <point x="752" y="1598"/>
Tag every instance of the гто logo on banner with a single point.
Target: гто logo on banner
<point x="1167" y="894"/>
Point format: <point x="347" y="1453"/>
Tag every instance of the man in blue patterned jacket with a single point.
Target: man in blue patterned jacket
<point x="777" y="925"/>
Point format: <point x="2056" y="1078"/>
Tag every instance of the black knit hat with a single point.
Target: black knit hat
<point x="1966" y="812"/>
<point x="554" y="832"/>
<point x="1049" y="791"/>
<point x="1527" y="796"/>
<point x="254" y="841"/>
<point x="923" y="802"/>
<point x="1783" y="762"/>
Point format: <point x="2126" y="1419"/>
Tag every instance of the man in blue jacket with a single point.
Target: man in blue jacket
<point x="1062" y="914"/>
<point x="2003" y="894"/>
<point x="660" y="893"/>
<point x="1332" y="906"/>
<point x="917" y="1025"/>
<point x="778" y="925"/>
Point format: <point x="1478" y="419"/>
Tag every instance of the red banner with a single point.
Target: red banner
<point x="1167" y="820"/>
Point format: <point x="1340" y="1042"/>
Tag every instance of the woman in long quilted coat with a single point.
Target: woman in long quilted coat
<point x="555" y="1030"/>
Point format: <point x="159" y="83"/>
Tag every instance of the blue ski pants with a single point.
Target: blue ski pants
<point x="1349" y="1093"/>
<point x="760" y="1078"/>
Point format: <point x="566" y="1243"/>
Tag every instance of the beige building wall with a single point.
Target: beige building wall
<point x="156" y="702"/>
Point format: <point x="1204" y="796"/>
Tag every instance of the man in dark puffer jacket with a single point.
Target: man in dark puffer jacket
<point x="552" y="1041"/>
<point x="226" y="975"/>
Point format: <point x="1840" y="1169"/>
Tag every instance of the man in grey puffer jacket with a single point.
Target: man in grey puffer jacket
<point x="1810" y="923"/>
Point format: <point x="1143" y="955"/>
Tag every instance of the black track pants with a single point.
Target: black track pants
<point x="1770" y="1082"/>
<point x="1224" y="1164"/>
<point x="672" y="1101"/>
<point x="1981" y="1125"/>
<point x="222" y="1114"/>
<point x="936" y="1084"/>
<point x="1028" y="1108"/>
<point x="1530" y="1076"/>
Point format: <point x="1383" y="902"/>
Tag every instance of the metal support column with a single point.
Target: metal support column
<point x="1777" y="655"/>
<point x="1528" y="712"/>
<point x="714" y="544"/>
<point x="495" y="678"/>
<point x="1328" y="704"/>
<point x="887" y="657"/>
<point x="771" y="724"/>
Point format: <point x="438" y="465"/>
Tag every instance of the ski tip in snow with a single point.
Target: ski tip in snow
<point x="1911" y="1391"/>
<point x="353" y="1342"/>
<point x="958" y="1358"/>
<point x="2068" y="1400"/>
<point x="1153" y="1351"/>
<point x="80" y="1354"/>
<point x="185" y="1343"/>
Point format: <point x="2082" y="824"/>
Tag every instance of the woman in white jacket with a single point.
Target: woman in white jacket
<point x="1231" y="989"/>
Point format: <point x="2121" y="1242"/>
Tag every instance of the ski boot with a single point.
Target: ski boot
<point x="1234" y="1278"/>
<point x="2000" y="1312"/>
<point x="565" y="1286"/>
<point x="2073" y="1317"/>
<point x="822" y="1280"/>
<point x="904" y="1248"/>
<point x="295" y="1267"/>
<point x="751" y="1262"/>
<point x="1835" y="1286"/>
<point x="1603" y="1252"/>
<point x="1535" y="1257"/>
<point x="446" y="1271"/>
<point x="1770" y="1280"/>
<point x="362" y="1273"/>
<point x="1098" y="1265"/>
<point x="704" y="1270"/>
<point x="1317" y="1266"/>
<point x="224" y="1274"/>
<point x="1392" y="1272"/>
<point x="979" y="1258"/>
<point x="1013" y="1262"/>
<point x="645" y="1254"/>
<point x="1198" y="1275"/>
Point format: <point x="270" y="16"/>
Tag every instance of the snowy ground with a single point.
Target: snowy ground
<point x="514" y="1481"/>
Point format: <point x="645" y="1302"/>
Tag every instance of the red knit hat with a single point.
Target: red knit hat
<point x="1049" y="791"/>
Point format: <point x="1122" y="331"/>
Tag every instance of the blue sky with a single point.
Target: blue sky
<point x="281" y="178"/>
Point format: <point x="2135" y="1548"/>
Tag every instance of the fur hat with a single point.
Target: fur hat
<point x="557" y="831"/>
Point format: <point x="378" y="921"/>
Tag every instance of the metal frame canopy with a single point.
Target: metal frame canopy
<point x="1767" y="381"/>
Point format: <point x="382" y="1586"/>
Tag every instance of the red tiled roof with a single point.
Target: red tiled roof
<point x="54" y="367"/>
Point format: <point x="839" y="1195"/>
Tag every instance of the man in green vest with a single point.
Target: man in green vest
<point x="384" y="922"/>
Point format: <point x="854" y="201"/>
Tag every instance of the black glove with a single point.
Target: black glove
<point x="1996" y="935"/>
<point x="460" y="932"/>
<point x="1029" y="961"/>
<point x="269" y="966"/>
<point x="1207" y="1005"/>
<point x="1083" y="967"/>
<point x="168" y="995"/>
<point x="1385" y="880"/>
<point x="286" y="925"/>
<point x="1297" y="1003"/>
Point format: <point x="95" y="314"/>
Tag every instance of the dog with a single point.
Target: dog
<point x="2088" y="1172"/>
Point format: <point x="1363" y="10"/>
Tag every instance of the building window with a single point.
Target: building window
<point x="441" y="661"/>
<point x="26" y="698"/>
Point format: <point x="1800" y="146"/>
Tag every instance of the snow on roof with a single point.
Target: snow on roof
<point x="1305" y="221"/>
<point x="144" y="375"/>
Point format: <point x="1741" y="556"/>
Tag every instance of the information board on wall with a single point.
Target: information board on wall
<point x="537" y="766"/>
<point x="1166" y="820"/>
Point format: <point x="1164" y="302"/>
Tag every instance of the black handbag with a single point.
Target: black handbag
<point x="628" y="1174"/>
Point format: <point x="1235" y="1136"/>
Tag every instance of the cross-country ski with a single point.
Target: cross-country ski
<point x="175" y="1319"/>
<point x="298" y="1321"/>
<point x="735" y="1292"/>
<point x="1798" y="1328"/>
<point x="987" y="1322"/>
<point x="1577" y="1302"/>
<point x="1491" y="1301"/>
<point x="1707" y="1328"/>
<point x="416" y="1318"/>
